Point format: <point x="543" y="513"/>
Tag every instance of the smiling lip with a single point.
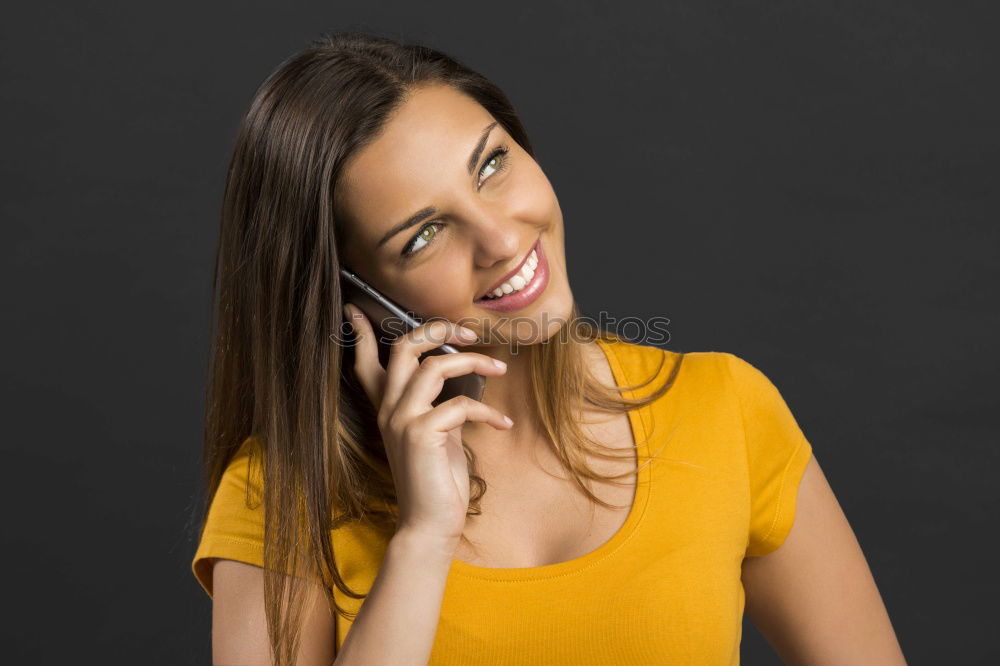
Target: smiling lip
<point x="527" y="295"/>
<point x="514" y="272"/>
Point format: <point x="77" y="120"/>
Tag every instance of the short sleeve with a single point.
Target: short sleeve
<point x="234" y="528"/>
<point x="777" y="454"/>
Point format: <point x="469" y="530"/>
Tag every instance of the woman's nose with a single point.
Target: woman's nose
<point x="495" y="244"/>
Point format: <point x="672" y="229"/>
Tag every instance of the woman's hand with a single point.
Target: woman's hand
<point x="423" y="443"/>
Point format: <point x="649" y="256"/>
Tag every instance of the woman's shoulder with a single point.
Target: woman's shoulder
<point x="640" y="354"/>
<point x="640" y="360"/>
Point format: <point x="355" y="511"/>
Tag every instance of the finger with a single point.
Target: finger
<point x="427" y="381"/>
<point x="404" y="355"/>
<point x="367" y="367"/>
<point x="453" y="413"/>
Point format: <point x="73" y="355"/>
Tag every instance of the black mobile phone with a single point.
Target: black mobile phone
<point x="394" y="320"/>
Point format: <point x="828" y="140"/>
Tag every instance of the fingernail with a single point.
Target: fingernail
<point x="500" y="364"/>
<point x="506" y="419"/>
<point x="466" y="334"/>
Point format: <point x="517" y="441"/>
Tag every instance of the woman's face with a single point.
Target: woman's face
<point x="438" y="152"/>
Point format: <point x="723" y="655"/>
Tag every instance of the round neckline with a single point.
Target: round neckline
<point x="640" y="435"/>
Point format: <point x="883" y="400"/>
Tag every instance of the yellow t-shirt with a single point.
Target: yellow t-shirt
<point x="664" y="589"/>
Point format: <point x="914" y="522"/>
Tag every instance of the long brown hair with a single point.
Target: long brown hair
<point x="275" y="376"/>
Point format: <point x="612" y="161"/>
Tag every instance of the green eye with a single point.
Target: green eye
<point x="497" y="160"/>
<point x="490" y="164"/>
<point x="422" y="238"/>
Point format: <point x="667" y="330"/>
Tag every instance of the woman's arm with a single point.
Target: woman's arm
<point x="398" y="621"/>
<point x="239" y="627"/>
<point x="396" y="624"/>
<point x="814" y="598"/>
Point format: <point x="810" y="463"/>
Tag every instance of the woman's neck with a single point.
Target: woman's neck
<point x="509" y="392"/>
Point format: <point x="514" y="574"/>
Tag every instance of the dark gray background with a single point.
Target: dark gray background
<point x="808" y="185"/>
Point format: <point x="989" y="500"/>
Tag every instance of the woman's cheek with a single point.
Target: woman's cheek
<point x="531" y="198"/>
<point x="441" y="296"/>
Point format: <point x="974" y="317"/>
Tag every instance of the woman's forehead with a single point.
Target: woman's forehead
<point x="422" y="152"/>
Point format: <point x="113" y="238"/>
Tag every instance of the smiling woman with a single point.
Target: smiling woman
<point x="347" y="516"/>
<point x="485" y="223"/>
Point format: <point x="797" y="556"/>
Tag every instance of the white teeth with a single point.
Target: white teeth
<point x="520" y="280"/>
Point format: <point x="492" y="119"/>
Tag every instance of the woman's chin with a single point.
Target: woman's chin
<point x="534" y="325"/>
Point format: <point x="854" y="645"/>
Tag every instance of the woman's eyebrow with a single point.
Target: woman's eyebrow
<point x="424" y="213"/>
